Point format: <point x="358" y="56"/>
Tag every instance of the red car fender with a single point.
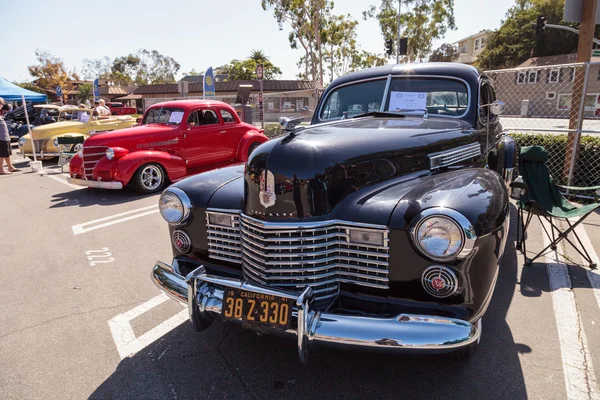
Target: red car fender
<point x="130" y="162"/>
<point x="76" y="166"/>
<point x="249" y="138"/>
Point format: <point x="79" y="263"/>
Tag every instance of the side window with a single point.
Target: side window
<point x="208" y="117"/>
<point x="193" y="119"/>
<point x="227" y="117"/>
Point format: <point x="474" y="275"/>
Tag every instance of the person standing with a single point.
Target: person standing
<point x="5" y="149"/>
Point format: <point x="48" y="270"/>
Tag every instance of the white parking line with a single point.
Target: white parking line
<point x="593" y="275"/>
<point x="113" y="219"/>
<point x="62" y="179"/>
<point x="125" y="340"/>
<point x="578" y="368"/>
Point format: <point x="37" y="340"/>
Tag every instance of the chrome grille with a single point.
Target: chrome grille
<point x="316" y="255"/>
<point x="91" y="156"/>
<point x="224" y="241"/>
<point x="38" y="145"/>
<point x="453" y="156"/>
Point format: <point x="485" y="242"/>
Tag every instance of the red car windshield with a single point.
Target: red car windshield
<point x="163" y="115"/>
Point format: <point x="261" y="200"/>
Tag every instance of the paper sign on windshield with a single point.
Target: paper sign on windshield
<point x="408" y="101"/>
<point x="176" y="117"/>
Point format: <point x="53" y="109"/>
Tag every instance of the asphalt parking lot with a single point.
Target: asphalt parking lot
<point x="82" y="319"/>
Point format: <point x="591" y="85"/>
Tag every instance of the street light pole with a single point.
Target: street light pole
<point x="399" y="30"/>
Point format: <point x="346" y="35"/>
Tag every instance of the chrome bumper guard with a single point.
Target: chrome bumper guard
<point x="95" y="184"/>
<point x="203" y="294"/>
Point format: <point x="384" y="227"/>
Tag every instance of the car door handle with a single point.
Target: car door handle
<point x="222" y="132"/>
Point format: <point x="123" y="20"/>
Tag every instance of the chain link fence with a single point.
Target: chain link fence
<point x="558" y="107"/>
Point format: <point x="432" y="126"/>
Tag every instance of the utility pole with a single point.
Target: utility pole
<point x="399" y="30"/>
<point x="577" y="112"/>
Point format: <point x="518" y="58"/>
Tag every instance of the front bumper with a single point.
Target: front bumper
<point x="95" y="184"/>
<point x="203" y="294"/>
<point x="41" y="154"/>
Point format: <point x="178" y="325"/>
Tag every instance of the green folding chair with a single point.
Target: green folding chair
<point x="540" y="197"/>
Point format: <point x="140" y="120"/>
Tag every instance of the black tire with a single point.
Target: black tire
<point x="253" y="147"/>
<point x="149" y="178"/>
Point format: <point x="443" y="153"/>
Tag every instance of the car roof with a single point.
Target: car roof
<point x="50" y="106"/>
<point x="189" y="104"/>
<point x="463" y="71"/>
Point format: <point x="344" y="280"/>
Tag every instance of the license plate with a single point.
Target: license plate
<point x="257" y="308"/>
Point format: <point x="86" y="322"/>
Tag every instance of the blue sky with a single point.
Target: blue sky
<point x="196" y="33"/>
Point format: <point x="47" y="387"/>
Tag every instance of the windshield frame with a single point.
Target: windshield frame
<point x="384" y="98"/>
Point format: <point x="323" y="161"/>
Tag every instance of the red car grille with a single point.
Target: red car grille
<point x="91" y="156"/>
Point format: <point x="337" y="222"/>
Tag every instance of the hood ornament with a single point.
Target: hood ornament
<point x="267" y="189"/>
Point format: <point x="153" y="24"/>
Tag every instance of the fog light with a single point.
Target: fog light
<point x="220" y="219"/>
<point x="369" y="237"/>
<point x="55" y="142"/>
<point x="181" y="241"/>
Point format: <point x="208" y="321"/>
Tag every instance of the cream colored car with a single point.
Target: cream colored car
<point x="72" y="121"/>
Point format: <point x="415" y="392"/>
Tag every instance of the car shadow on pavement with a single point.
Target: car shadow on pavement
<point x="90" y="197"/>
<point x="229" y="362"/>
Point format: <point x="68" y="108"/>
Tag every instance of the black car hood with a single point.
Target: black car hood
<point x="308" y="173"/>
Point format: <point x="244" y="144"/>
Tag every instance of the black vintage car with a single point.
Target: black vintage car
<point x="380" y="226"/>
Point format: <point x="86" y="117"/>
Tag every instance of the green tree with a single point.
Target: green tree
<point x="97" y="68"/>
<point x="422" y="22"/>
<point x="246" y="69"/>
<point x="85" y="92"/>
<point x="341" y="51"/>
<point x="307" y="20"/>
<point x="445" y="53"/>
<point x="515" y="41"/>
<point x="193" y="72"/>
<point x="50" y="71"/>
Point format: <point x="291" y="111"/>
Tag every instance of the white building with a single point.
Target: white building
<point x="470" y="47"/>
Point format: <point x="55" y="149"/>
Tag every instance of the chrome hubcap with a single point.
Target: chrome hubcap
<point x="151" y="177"/>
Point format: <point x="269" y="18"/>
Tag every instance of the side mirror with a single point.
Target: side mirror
<point x="290" y="123"/>
<point x="497" y="107"/>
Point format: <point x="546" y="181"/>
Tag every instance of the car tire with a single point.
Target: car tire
<point x="149" y="178"/>
<point x="253" y="147"/>
<point x="467" y="352"/>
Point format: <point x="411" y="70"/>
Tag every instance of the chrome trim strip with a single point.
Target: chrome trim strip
<point x="385" y="92"/>
<point x="468" y="232"/>
<point x="295" y="226"/>
<point x="445" y="158"/>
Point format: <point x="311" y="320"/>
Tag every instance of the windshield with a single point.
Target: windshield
<point x="447" y="97"/>
<point x="74" y="115"/>
<point x="163" y="115"/>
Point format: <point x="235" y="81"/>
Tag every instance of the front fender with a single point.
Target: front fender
<point x="248" y="140"/>
<point x="126" y="166"/>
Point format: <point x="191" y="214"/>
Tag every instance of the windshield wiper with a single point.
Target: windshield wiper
<point x="379" y="114"/>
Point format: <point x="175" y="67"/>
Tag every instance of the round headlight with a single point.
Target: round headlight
<point x="174" y="206"/>
<point x="21" y="142"/>
<point x="55" y="142"/>
<point x="439" y="237"/>
<point x="110" y="153"/>
<point x="78" y="147"/>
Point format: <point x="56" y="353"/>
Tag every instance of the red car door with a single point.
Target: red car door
<point x="231" y="133"/>
<point x="202" y="139"/>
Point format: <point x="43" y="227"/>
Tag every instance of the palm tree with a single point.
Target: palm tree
<point x="258" y="56"/>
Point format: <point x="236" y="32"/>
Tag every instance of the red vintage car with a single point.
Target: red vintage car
<point x="176" y="139"/>
<point x="120" y="109"/>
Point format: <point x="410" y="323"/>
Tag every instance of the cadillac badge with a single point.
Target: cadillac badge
<point x="267" y="189"/>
